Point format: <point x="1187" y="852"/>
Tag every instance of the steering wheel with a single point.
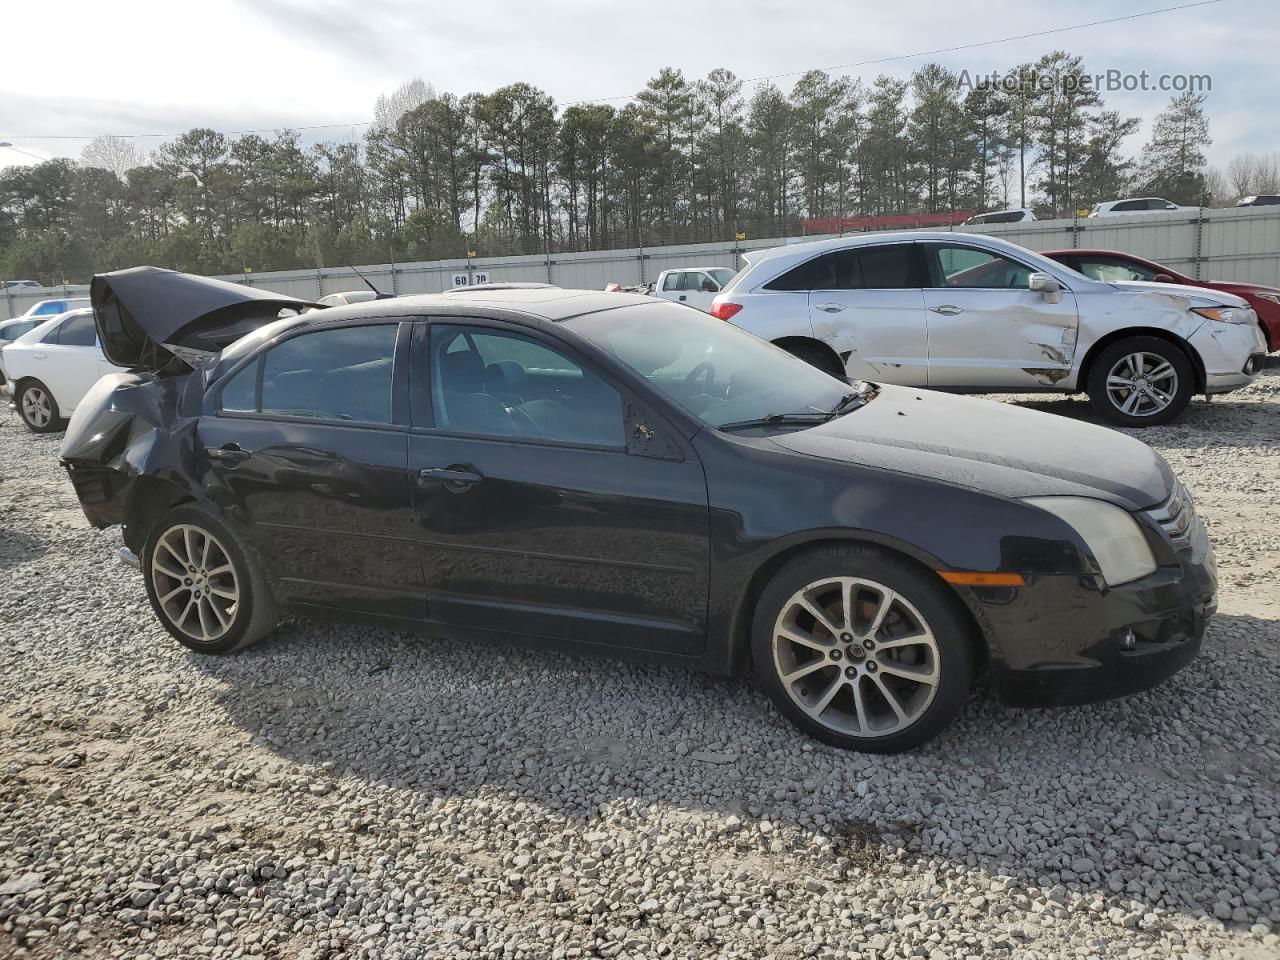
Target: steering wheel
<point x="704" y="370"/>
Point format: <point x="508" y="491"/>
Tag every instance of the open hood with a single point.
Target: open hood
<point x="147" y="316"/>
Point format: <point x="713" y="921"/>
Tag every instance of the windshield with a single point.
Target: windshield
<point x="715" y="371"/>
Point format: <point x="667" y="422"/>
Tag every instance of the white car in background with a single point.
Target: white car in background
<point x="977" y="314"/>
<point x="694" y="286"/>
<point x="1114" y="208"/>
<point x="51" y="367"/>
<point x="1021" y="215"/>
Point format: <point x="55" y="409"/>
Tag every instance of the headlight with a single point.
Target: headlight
<point x="1225" y="314"/>
<point x="1111" y="534"/>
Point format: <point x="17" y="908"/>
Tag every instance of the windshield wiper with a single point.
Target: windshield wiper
<point x="777" y="419"/>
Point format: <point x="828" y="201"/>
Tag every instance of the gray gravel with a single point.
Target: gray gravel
<point x="345" y="792"/>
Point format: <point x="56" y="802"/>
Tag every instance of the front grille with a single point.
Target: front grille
<point x="1176" y="516"/>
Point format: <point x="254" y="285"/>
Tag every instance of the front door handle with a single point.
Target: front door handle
<point x="227" y="453"/>
<point x="831" y="307"/>
<point x="948" y="309"/>
<point x="39" y="355"/>
<point x="682" y="298"/>
<point x="455" y="477"/>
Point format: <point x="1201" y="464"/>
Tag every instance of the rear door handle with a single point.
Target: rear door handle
<point x="830" y="307"/>
<point x="455" y="477"/>
<point x="227" y="453"/>
<point x="948" y="309"/>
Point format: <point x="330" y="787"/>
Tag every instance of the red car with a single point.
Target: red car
<point x="1110" y="266"/>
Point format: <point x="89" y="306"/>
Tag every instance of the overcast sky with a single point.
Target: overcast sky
<point x="83" y="67"/>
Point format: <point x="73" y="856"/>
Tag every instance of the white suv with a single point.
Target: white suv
<point x="1114" y="208"/>
<point x="975" y="313"/>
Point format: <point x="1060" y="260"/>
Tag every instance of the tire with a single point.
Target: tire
<point x="218" y="623"/>
<point x="815" y="358"/>
<point x="1155" y="366"/>
<point x="859" y="659"/>
<point x="38" y="408"/>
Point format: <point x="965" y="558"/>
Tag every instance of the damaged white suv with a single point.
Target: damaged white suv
<point x="964" y="312"/>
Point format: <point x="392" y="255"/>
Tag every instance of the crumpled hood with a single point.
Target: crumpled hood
<point x="1191" y="294"/>
<point x="147" y="315"/>
<point x="996" y="447"/>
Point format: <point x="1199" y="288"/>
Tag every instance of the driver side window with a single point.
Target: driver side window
<point x="955" y="266"/>
<point x="490" y="383"/>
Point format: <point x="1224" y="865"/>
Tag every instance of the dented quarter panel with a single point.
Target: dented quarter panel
<point x="124" y="429"/>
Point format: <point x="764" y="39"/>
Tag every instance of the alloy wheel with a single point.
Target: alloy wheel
<point x="856" y="656"/>
<point x="195" y="582"/>
<point x="1142" y="384"/>
<point x="36" y="408"/>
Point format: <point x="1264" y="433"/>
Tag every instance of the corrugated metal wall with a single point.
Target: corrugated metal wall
<point x="1232" y="244"/>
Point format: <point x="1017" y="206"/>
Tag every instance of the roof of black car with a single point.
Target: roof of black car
<point x="549" y="303"/>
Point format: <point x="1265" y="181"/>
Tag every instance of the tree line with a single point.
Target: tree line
<point x="509" y="172"/>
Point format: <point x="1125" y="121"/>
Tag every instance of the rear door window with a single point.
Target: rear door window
<point x="77" y="332"/>
<point x="345" y="373"/>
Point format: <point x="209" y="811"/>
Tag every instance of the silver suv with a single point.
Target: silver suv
<point x="972" y="313"/>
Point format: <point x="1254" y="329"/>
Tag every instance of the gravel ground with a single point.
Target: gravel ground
<point x="344" y="792"/>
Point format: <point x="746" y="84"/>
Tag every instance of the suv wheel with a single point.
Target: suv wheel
<point x="1141" y="382"/>
<point x="861" y="650"/>
<point x="38" y="409"/>
<point x="204" y="585"/>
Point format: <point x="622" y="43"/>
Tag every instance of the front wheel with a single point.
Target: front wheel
<point x="38" y="408"/>
<point x="861" y="650"/>
<point x="206" y="587"/>
<point x="1141" y="382"/>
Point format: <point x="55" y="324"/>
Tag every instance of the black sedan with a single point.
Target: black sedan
<point x="608" y="472"/>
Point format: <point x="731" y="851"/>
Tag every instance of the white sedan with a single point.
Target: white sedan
<point x="52" y="367"/>
<point x="977" y="314"/>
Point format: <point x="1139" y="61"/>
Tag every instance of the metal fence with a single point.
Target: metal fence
<point x="1231" y="244"/>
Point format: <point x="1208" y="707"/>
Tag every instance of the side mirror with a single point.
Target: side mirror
<point x="1047" y="285"/>
<point x="1163" y="278"/>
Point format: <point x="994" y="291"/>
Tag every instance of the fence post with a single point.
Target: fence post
<point x="1199" y="239"/>
<point x="8" y="302"/>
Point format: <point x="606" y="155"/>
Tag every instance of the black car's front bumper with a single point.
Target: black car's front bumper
<point x="1064" y="640"/>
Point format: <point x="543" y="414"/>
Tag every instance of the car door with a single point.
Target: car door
<point x="867" y="303"/>
<point x="68" y="360"/>
<point x="305" y="446"/>
<point x="700" y="288"/>
<point x="533" y="515"/>
<point x="986" y="328"/>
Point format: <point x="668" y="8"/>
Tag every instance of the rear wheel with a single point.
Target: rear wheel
<point x="1141" y="382"/>
<point x="38" y="408"/>
<point x="861" y="650"/>
<point x="815" y="357"/>
<point x="204" y="585"/>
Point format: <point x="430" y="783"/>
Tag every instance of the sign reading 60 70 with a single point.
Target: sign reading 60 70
<point x="473" y="278"/>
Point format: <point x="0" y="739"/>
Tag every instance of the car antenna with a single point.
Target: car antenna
<point x="377" y="294"/>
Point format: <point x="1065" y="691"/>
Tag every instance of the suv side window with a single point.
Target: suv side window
<point x="344" y="373"/>
<point x="891" y="266"/>
<point x="1131" y="205"/>
<point x="953" y="265"/>
<point x="77" y="332"/>
<point x="492" y="383"/>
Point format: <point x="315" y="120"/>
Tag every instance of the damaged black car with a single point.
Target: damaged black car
<point x="615" y="473"/>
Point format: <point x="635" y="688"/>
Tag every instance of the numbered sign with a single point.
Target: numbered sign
<point x="472" y="279"/>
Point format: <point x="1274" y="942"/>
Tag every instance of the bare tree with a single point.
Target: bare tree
<point x="408" y="96"/>
<point x="112" y="153"/>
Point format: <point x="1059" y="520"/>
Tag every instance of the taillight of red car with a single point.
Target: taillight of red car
<point x="725" y="311"/>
